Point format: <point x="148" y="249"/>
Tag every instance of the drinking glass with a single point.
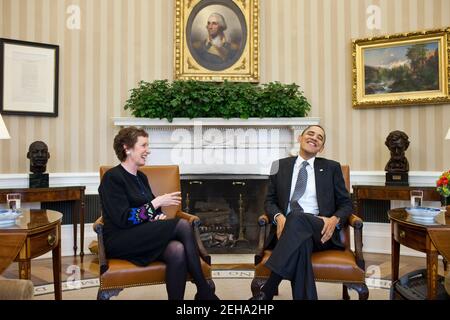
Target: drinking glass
<point x="13" y="201"/>
<point x="416" y="198"/>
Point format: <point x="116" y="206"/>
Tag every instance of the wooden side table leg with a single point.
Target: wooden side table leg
<point x="25" y="269"/>
<point x="82" y="225"/>
<point x="56" y="257"/>
<point x="395" y="254"/>
<point x="75" y="215"/>
<point x="432" y="274"/>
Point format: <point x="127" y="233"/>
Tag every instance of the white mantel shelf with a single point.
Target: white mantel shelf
<point x="217" y="122"/>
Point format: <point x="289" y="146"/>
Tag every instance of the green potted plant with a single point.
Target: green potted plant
<point x="196" y="99"/>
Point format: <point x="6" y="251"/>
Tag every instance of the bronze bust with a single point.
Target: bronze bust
<point x="397" y="142"/>
<point x="38" y="155"/>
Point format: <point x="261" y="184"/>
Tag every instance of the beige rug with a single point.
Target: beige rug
<point x="230" y="285"/>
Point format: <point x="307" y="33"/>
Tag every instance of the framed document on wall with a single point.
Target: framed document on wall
<point x="217" y="40"/>
<point x="29" y="78"/>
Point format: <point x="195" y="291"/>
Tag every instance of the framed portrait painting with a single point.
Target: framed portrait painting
<point x="29" y="78"/>
<point x="402" y="69"/>
<point x="217" y="40"/>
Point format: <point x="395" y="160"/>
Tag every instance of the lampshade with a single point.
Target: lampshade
<point x="4" y="134"/>
<point x="447" y="137"/>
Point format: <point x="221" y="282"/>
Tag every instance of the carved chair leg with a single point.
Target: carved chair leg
<point x="345" y="294"/>
<point x="361" y="288"/>
<point x="257" y="284"/>
<point x="107" y="294"/>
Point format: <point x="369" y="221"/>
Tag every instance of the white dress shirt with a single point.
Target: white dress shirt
<point x="308" y="201"/>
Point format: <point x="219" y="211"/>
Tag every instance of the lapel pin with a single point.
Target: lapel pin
<point x="320" y="170"/>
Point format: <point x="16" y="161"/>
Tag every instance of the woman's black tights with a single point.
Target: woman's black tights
<point x="181" y="256"/>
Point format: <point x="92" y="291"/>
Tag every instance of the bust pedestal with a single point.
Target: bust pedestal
<point x="38" y="180"/>
<point x="397" y="179"/>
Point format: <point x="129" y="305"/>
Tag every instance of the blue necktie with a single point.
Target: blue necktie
<point x="300" y="187"/>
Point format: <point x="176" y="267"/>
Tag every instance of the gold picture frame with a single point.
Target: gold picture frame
<point x="228" y="52"/>
<point x="401" y="69"/>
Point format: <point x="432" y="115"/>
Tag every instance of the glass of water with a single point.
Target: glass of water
<point x="13" y="201"/>
<point x="416" y="198"/>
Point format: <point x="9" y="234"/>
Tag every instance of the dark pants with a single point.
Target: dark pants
<point x="291" y="257"/>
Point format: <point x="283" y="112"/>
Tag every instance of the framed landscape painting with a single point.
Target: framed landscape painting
<point x="217" y="40"/>
<point x="401" y="69"/>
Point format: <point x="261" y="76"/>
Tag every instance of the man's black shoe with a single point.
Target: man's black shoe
<point x="209" y="296"/>
<point x="260" y="296"/>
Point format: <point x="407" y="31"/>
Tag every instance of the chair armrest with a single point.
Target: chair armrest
<point x="357" y="224"/>
<point x="103" y="262"/>
<point x="355" y="221"/>
<point x="263" y="219"/>
<point x="263" y="222"/>
<point x="16" y="289"/>
<point x="189" y="217"/>
<point x="201" y="248"/>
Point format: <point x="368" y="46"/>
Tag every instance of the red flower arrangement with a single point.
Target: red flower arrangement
<point x="443" y="185"/>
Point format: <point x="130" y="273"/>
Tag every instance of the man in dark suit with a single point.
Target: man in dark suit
<point x="307" y="202"/>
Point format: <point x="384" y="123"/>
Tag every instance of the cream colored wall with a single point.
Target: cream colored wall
<point x="302" y="41"/>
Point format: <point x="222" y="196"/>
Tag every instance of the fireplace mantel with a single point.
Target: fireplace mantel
<point x="216" y="145"/>
<point x="217" y="122"/>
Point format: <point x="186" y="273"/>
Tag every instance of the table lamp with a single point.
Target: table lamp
<point x="4" y="134"/>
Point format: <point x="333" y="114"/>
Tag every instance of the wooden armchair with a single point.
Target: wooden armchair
<point x="117" y="274"/>
<point x="343" y="266"/>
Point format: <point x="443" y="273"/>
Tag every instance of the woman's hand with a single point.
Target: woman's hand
<point x="161" y="216"/>
<point x="166" y="200"/>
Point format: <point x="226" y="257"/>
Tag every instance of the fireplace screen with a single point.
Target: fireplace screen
<point x="228" y="207"/>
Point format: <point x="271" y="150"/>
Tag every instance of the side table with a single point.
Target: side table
<point x="42" y="229"/>
<point x="418" y="235"/>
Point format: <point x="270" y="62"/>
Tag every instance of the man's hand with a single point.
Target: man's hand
<point x="329" y="224"/>
<point x="281" y="220"/>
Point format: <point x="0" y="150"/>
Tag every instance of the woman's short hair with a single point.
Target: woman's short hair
<point x="127" y="137"/>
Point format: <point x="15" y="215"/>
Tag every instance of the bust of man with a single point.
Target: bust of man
<point x="397" y="142"/>
<point x="38" y="155"/>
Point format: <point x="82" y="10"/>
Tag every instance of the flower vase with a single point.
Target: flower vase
<point x="445" y="201"/>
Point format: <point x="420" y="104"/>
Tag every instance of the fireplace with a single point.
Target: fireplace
<point x="228" y="207"/>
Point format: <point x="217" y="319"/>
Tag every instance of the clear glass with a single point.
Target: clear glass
<point x="416" y="198"/>
<point x="13" y="201"/>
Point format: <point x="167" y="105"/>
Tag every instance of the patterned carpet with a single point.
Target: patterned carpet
<point x="232" y="275"/>
<point x="230" y="285"/>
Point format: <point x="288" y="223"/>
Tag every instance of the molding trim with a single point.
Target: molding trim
<point x="92" y="180"/>
<point x="216" y="122"/>
<point x="89" y="179"/>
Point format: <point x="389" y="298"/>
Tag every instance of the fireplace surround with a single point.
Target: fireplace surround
<point x="224" y="166"/>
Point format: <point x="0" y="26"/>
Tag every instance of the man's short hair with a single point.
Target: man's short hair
<point x="220" y="20"/>
<point x="316" y="125"/>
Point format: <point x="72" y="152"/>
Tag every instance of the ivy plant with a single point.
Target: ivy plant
<point x="197" y="99"/>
